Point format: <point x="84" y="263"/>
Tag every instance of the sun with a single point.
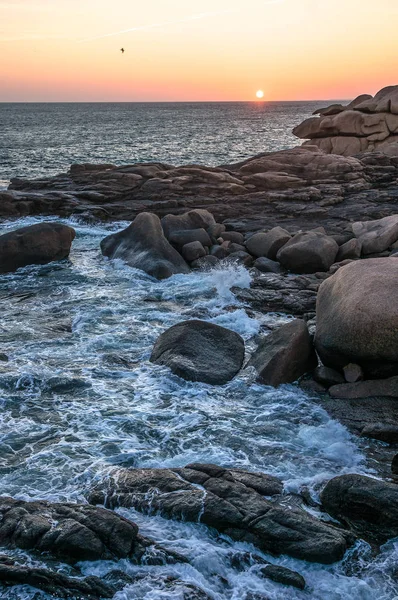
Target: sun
<point x="260" y="94"/>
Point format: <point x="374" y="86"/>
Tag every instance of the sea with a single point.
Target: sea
<point x="94" y="321"/>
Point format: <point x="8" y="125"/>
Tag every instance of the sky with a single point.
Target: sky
<point x="196" y="50"/>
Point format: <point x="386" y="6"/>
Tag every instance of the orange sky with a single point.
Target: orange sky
<point x="61" y="50"/>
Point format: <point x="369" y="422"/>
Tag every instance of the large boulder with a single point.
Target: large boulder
<point x="143" y="245"/>
<point x="357" y="317"/>
<point x="35" y="245"/>
<point x="194" y="219"/>
<point x="308" y="252"/>
<point x="376" y="236"/>
<point x="200" y="351"/>
<point x="368" y="505"/>
<point x="285" y="354"/>
<point x="268" y="244"/>
<point x="230" y="500"/>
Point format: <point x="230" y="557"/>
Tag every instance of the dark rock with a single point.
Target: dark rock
<point x="200" y="351"/>
<point x="266" y="265"/>
<point x="268" y="244"/>
<point x="219" y="251"/>
<point x="349" y="250"/>
<point x="224" y="500"/>
<point x="180" y="238"/>
<point x="381" y="431"/>
<point x="3" y="357"/>
<point x="353" y="373"/>
<point x="328" y="376"/>
<point x="236" y="248"/>
<point x="65" y="385"/>
<point x="143" y="245"/>
<point x="308" y="253"/>
<point x="283" y="575"/>
<point x="243" y="258"/>
<point x="233" y="237"/>
<point x="194" y="219"/>
<point x="394" y="465"/>
<point x="285" y="354"/>
<point x="205" y="263"/>
<point x="357" y="317"/>
<point x="35" y="245"/>
<point x="369" y="506"/>
<point x="387" y="388"/>
<point x="215" y="231"/>
<point x="193" y="251"/>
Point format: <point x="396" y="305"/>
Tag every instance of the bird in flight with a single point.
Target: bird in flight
<point x="122" y="50"/>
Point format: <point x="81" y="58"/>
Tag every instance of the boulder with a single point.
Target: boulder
<point x="266" y="265"/>
<point x="230" y="500"/>
<point x="327" y="376"/>
<point x="218" y="251"/>
<point x="387" y="388"/>
<point x="384" y="432"/>
<point x="368" y="506"/>
<point x="206" y="263"/>
<point x="233" y="236"/>
<point x="200" y="351"/>
<point x="350" y="250"/>
<point x="268" y="244"/>
<point x="143" y="245"/>
<point x="240" y="257"/>
<point x="285" y="354"/>
<point x="193" y="251"/>
<point x="357" y="317"/>
<point x="352" y="373"/>
<point x="35" y="245"/>
<point x="194" y="219"/>
<point x="376" y="236"/>
<point x="283" y="575"/>
<point x="308" y="252"/>
<point x="180" y="238"/>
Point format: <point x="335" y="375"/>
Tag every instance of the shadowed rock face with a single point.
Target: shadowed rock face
<point x="369" y="506"/>
<point x="232" y="501"/>
<point x="357" y="317"/>
<point x="143" y="246"/>
<point x="200" y="351"/>
<point x="366" y="124"/>
<point x="36" y="244"/>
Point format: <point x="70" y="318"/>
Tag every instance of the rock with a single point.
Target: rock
<point x="200" y="351"/>
<point x="353" y="373"/>
<point x="376" y="236"/>
<point x="328" y="376"/>
<point x="351" y="326"/>
<point x="231" y="501"/>
<point x="194" y="219"/>
<point x="180" y="238"/>
<point x="35" y="245"/>
<point x="232" y="248"/>
<point x="219" y="252"/>
<point x="3" y="357"/>
<point x="73" y="532"/>
<point x="233" y="236"/>
<point x="193" y="251"/>
<point x="283" y="575"/>
<point x="381" y="431"/>
<point x="268" y="244"/>
<point x="368" y="506"/>
<point x="350" y="250"/>
<point x="266" y="265"/>
<point x="394" y="465"/>
<point x="215" y="231"/>
<point x="387" y="388"/>
<point x="308" y="253"/>
<point x="284" y="355"/>
<point x="55" y="584"/>
<point x="143" y="245"/>
<point x="206" y="263"/>
<point x="243" y="258"/>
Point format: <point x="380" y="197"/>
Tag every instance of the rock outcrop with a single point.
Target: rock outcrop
<point x="357" y="317"/>
<point x="366" y="124"/>
<point x="200" y="351"/>
<point x="285" y="354"/>
<point x="230" y="500"/>
<point x="143" y="245"/>
<point x="35" y="245"/>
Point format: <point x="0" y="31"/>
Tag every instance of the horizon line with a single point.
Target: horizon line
<point x="168" y="101"/>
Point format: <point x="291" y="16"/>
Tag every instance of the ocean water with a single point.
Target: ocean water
<point x="44" y="139"/>
<point x="94" y="321"/>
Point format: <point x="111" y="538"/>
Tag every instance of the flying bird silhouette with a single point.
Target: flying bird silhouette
<point x="122" y="50"/>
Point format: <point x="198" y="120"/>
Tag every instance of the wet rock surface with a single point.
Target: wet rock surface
<point x="232" y="502"/>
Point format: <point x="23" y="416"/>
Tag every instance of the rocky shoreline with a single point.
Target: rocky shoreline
<point x="319" y="234"/>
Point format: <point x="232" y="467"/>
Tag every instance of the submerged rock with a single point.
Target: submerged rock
<point x="200" y="351"/>
<point x="369" y="506"/>
<point x="283" y="575"/>
<point x="357" y="317"/>
<point x="230" y="500"/>
<point x="35" y="245"/>
<point x="285" y="354"/>
<point x="143" y="245"/>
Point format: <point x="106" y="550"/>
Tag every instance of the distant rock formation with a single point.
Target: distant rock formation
<point x="367" y="124"/>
